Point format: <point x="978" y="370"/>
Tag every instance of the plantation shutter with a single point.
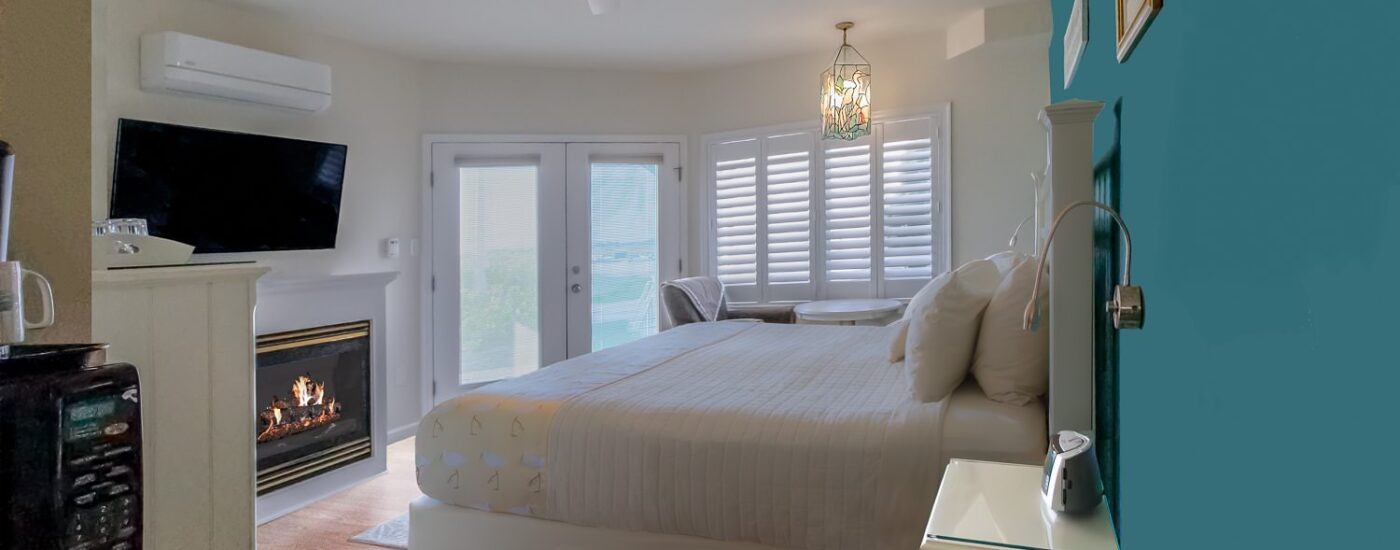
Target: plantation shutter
<point x="735" y="166"/>
<point x="908" y="206"/>
<point x="798" y="218"/>
<point x="847" y="209"/>
<point x="788" y="222"/>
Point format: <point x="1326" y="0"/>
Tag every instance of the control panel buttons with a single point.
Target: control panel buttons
<point x="83" y="461"/>
<point x="118" y="471"/>
<point x="85" y="479"/>
<point x="118" y="489"/>
<point x="85" y="499"/>
<point x="116" y="428"/>
<point x="122" y="546"/>
<point x="117" y="451"/>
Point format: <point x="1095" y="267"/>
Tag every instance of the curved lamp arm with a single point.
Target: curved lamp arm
<point x="1017" y="232"/>
<point x="1126" y="307"/>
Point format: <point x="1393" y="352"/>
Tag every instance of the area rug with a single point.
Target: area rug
<point x="390" y="534"/>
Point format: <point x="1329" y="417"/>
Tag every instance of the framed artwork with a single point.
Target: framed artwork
<point x="1076" y="35"/>
<point x="1133" y="18"/>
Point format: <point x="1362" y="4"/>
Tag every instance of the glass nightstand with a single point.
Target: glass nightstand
<point x="995" y="505"/>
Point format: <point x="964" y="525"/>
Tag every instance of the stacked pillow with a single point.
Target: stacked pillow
<point x="969" y="319"/>
<point x="942" y="324"/>
<point x="1011" y="364"/>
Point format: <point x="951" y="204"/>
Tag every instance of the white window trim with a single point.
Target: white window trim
<point x="941" y="113"/>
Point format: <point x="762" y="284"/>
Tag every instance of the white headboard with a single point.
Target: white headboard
<point x="1070" y="176"/>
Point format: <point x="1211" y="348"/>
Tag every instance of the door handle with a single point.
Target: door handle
<point x="576" y="288"/>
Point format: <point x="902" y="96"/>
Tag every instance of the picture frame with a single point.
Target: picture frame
<point x="1076" y="37"/>
<point x="1133" y="18"/>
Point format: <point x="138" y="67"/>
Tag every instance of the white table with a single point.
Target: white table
<point x="845" y="312"/>
<point x="995" y="505"/>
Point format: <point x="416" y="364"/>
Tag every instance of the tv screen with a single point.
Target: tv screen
<point x="227" y="191"/>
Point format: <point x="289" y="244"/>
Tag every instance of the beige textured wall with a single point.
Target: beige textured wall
<point x="46" y="113"/>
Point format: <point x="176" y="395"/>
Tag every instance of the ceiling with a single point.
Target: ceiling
<point x="659" y="35"/>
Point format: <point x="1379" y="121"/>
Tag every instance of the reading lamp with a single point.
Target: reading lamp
<point x="1126" y="307"/>
<point x="1016" y="233"/>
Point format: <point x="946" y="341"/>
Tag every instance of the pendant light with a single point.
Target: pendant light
<point x="846" y="93"/>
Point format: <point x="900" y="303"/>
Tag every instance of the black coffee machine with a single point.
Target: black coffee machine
<point x="70" y="439"/>
<point x="70" y="450"/>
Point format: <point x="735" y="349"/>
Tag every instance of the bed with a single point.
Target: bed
<point x="795" y="436"/>
<point x="735" y="436"/>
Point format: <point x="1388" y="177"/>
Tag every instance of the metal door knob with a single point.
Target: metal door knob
<point x="576" y="288"/>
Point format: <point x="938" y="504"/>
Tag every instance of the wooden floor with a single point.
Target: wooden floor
<point x="329" y="524"/>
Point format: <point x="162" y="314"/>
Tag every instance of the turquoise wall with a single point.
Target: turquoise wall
<point x="1261" y="180"/>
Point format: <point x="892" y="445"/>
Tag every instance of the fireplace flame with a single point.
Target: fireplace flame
<point x="309" y="408"/>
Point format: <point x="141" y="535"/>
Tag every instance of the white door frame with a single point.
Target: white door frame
<point x="669" y="230"/>
<point x="425" y="231"/>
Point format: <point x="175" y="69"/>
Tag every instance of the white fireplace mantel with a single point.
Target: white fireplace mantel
<point x="293" y="303"/>
<point x="189" y="331"/>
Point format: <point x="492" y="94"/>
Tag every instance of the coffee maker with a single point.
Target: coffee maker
<point x="13" y="276"/>
<point x="70" y="426"/>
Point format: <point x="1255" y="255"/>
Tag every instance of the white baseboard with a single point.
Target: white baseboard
<point x="402" y="432"/>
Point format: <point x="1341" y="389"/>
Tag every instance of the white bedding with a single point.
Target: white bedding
<point x="797" y="436"/>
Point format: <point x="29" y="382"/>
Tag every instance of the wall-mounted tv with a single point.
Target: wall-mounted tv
<point x="227" y="191"/>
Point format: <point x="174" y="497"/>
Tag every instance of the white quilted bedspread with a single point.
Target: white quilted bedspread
<point x="795" y="436"/>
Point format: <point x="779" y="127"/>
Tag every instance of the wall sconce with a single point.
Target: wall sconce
<point x="1127" y="307"/>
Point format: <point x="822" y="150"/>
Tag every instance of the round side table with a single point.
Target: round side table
<point x="845" y="312"/>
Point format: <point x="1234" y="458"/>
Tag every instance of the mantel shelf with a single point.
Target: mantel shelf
<point x="293" y="284"/>
<point x="174" y="274"/>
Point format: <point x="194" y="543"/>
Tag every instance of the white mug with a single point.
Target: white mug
<point x="12" y="320"/>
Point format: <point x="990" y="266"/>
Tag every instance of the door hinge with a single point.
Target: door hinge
<point x="680" y="174"/>
<point x="432" y="179"/>
<point x="434" y="388"/>
<point x="432" y="283"/>
<point x="680" y="266"/>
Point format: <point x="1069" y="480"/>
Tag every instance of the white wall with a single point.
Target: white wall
<point x="383" y="104"/>
<point x="995" y="92"/>
<point x="375" y="113"/>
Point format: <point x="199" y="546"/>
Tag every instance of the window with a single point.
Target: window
<point x="796" y="218"/>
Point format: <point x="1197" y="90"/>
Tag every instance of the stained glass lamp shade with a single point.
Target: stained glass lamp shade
<point x="846" y="93"/>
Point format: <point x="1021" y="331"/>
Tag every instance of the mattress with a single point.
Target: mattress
<point x="785" y="435"/>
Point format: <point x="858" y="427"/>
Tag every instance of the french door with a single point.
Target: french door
<point x="544" y="251"/>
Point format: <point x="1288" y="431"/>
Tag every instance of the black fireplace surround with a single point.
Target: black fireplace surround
<point x="312" y="413"/>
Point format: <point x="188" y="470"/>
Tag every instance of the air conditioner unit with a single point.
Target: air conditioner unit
<point x="184" y="64"/>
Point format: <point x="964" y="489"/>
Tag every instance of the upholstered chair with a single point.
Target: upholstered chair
<point x="701" y="299"/>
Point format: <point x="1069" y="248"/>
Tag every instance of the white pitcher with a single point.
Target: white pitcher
<point x="12" y="320"/>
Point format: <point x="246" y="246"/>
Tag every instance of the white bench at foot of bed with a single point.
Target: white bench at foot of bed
<point x="434" y="525"/>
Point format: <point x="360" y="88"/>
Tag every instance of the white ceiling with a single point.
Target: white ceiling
<point x="667" y="35"/>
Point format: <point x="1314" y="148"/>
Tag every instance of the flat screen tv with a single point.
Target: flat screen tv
<point x="227" y="191"/>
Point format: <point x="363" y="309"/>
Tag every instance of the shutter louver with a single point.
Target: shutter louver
<point x="847" y="208"/>
<point x="736" y="218"/>
<point x="788" y="205"/>
<point x="908" y="199"/>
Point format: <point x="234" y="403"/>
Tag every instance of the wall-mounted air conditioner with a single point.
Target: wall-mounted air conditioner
<point x="184" y="64"/>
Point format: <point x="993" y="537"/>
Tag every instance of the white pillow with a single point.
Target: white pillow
<point x="1013" y="365"/>
<point x="943" y="328"/>
<point x="899" y="332"/>
<point x="1004" y="262"/>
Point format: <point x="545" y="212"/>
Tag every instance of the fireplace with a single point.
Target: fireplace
<point x="312" y="412"/>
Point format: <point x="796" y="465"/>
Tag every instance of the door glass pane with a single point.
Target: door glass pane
<point x="499" y="266"/>
<point x="623" y="205"/>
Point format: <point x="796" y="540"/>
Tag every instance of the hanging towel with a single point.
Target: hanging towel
<point x="706" y="294"/>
